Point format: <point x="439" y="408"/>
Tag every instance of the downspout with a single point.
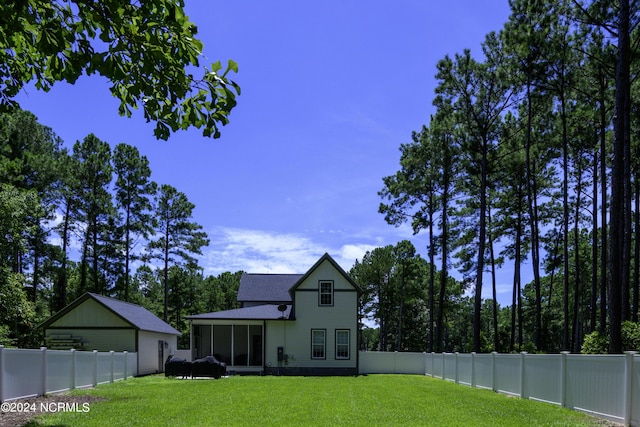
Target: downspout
<point x="191" y="339"/>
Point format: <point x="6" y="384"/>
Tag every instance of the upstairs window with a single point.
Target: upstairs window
<point x="325" y="292"/>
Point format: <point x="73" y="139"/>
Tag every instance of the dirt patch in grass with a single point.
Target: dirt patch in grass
<point x="21" y="411"/>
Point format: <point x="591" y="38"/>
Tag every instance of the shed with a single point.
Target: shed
<point x="96" y="322"/>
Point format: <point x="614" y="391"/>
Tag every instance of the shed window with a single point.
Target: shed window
<point x="342" y="344"/>
<point x="318" y="343"/>
<point x="325" y="293"/>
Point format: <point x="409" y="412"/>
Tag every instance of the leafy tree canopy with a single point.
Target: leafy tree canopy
<point x="145" y="48"/>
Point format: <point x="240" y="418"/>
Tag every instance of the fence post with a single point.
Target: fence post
<point x="473" y="369"/>
<point x="126" y="357"/>
<point x="433" y="362"/>
<point x="1" y="373"/>
<point x="628" y="387"/>
<point x="456" y="371"/>
<point x="494" y="374"/>
<point x="563" y="378"/>
<point x="72" y="385"/>
<point x="523" y="377"/>
<point x="112" y="363"/>
<point x="444" y="364"/>
<point x="95" y="368"/>
<point x="395" y="361"/>
<point x="43" y="378"/>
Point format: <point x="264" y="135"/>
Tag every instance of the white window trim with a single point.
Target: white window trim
<point x="324" y="344"/>
<point x="320" y="293"/>
<point x="348" y="344"/>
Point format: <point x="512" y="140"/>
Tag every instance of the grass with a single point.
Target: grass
<point x="372" y="400"/>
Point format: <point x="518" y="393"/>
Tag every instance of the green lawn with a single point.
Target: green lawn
<point x="378" y="400"/>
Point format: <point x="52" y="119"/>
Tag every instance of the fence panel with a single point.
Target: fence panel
<point x="507" y="377"/>
<point x="132" y="364"/>
<point x="484" y="370"/>
<point x="601" y="373"/>
<point x="449" y="366"/>
<point x="542" y="377"/>
<point x="437" y="366"/>
<point x="22" y="373"/>
<point x="59" y="371"/>
<point x="409" y="363"/>
<point x="85" y="361"/>
<point x="374" y="362"/>
<point x="104" y="367"/>
<point x="29" y="373"/>
<point x="465" y="368"/>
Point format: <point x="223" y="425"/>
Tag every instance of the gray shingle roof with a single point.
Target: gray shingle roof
<point x="258" y="312"/>
<point x="139" y="317"/>
<point x="266" y="287"/>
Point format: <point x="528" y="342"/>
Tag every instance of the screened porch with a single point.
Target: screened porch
<point x="239" y="345"/>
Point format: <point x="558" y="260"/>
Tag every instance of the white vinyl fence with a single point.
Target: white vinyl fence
<point x="29" y="373"/>
<point x="607" y="386"/>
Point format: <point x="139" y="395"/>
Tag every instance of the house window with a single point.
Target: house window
<point x="342" y="344"/>
<point x="318" y="343"/>
<point x="325" y="294"/>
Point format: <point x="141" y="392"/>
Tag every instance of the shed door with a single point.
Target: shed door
<point x="161" y="356"/>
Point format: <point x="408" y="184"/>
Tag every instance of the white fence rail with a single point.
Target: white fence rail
<point x="607" y="386"/>
<point x="29" y="373"/>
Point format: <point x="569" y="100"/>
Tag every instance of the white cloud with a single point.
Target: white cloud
<point x="258" y="251"/>
<point x="350" y="253"/>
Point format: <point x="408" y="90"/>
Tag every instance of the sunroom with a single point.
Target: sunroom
<point x="235" y="337"/>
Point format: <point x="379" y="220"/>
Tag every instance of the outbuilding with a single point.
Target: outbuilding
<point x="96" y="322"/>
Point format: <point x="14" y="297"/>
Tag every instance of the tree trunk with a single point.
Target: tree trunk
<point x="432" y="272"/>
<point x="565" y="221"/>
<point x="496" y="340"/>
<point x="477" y="318"/>
<point x="604" y="243"/>
<point x="445" y="255"/>
<point x="618" y="269"/>
<point x="593" y="305"/>
<point x="533" y="218"/>
<point x="636" y="255"/>
<point x="575" y="343"/>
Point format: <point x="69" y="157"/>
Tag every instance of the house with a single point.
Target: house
<point x="289" y="324"/>
<point x="96" y="322"/>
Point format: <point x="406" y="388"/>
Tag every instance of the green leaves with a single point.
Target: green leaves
<point x="146" y="50"/>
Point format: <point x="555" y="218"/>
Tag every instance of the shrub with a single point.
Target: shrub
<point x="630" y="336"/>
<point x="596" y="343"/>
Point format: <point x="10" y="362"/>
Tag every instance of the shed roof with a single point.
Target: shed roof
<point x="139" y="317"/>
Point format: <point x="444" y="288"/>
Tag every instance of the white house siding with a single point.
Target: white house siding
<point x="295" y="336"/>
<point x="98" y="338"/>
<point x="149" y="359"/>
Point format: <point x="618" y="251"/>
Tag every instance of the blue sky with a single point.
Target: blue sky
<point x="329" y="92"/>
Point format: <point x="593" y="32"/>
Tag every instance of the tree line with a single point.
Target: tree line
<point x="90" y="219"/>
<point x="531" y="159"/>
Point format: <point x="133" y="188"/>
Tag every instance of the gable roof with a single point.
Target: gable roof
<point x="139" y="317"/>
<point x="256" y="312"/>
<point x="323" y="258"/>
<point x="266" y="287"/>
